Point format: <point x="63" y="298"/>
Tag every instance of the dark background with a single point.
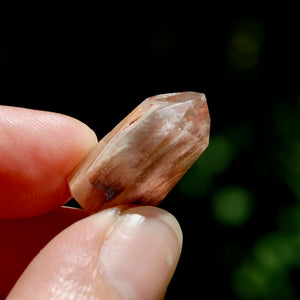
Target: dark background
<point x="239" y="206"/>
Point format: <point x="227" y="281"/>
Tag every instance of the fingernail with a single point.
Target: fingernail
<point x="141" y="252"/>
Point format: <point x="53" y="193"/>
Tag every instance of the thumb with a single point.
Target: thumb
<point x="119" y="253"/>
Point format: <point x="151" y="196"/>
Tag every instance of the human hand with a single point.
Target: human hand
<point x="120" y="253"/>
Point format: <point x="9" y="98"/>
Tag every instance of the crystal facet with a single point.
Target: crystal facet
<point x="145" y="155"/>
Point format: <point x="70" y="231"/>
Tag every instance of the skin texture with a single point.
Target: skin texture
<point x="53" y="252"/>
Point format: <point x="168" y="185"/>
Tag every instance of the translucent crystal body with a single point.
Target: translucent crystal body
<point x="145" y="155"/>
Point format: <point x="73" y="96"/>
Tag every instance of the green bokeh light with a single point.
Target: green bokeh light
<point x="252" y="281"/>
<point x="232" y="206"/>
<point x="274" y="252"/>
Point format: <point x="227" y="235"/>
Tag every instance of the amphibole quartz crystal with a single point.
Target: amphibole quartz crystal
<point x="145" y="155"/>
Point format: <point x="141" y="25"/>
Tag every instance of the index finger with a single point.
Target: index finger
<point x="38" y="150"/>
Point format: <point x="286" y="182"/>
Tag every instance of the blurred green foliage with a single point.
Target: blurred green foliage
<point x="263" y="269"/>
<point x="266" y="270"/>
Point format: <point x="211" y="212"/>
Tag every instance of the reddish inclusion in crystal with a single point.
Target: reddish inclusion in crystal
<point x="145" y="155"/>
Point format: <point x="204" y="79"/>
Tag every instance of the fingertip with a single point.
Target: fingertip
<point x="140" y="252"/>
<point x="85" y="138"/>
<point x="38" y="151"/>
<point x="118" y="253"/>
<point x="163" y="215"/>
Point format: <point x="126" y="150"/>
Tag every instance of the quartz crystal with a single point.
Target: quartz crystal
<point x="145" y="155"/>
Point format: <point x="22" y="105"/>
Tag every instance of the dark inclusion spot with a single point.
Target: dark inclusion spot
<point x="137" y="201"/>
<point x="110" y="191"/>
<point x="141" y="201"/>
